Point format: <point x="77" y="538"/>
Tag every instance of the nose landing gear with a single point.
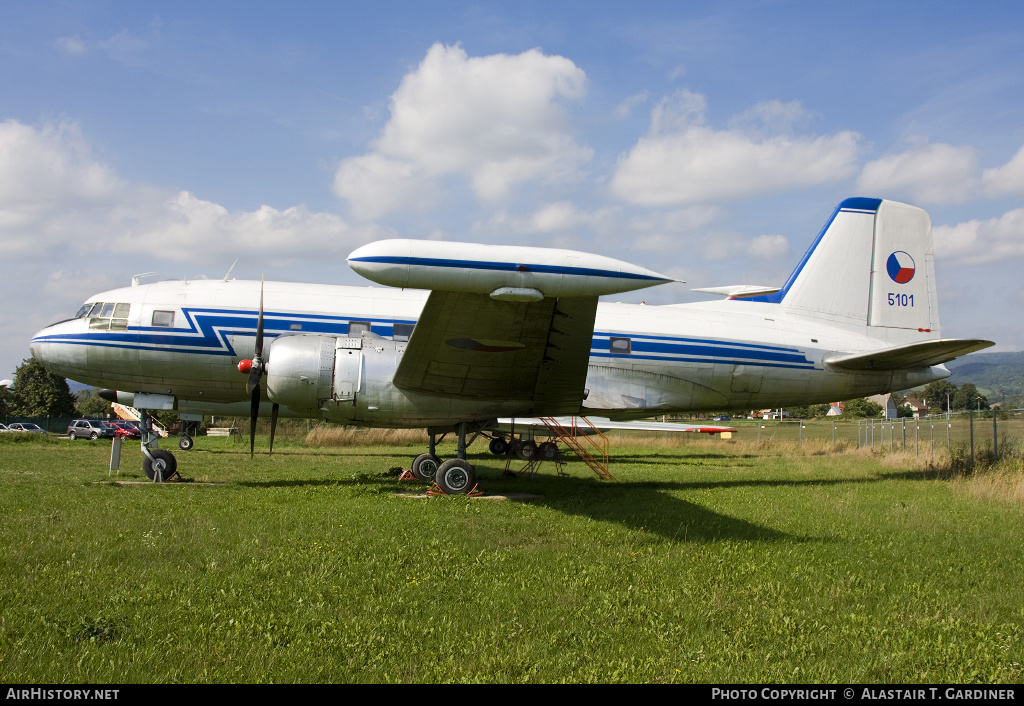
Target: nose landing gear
<point x="159" y="465"/>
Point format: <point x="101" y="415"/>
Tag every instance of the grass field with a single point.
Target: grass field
<point x="708" y="561"/>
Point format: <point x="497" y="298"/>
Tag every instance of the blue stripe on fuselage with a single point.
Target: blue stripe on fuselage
<point x="208" y="331"/>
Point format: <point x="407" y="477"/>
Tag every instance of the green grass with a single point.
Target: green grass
<point x="708" y="562"/>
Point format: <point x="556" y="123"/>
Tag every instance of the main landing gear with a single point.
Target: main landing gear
<point x="456" y="476"/>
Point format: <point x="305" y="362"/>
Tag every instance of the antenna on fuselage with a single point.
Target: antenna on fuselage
<point x="230" y="270"/>
<point x="137" y="279"/>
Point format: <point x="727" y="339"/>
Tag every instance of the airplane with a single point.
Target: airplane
<point x="465" y="337"/>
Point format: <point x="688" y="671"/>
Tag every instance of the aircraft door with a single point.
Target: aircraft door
<point x="348" y="365"/>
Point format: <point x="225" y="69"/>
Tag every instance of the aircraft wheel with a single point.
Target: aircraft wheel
<point x="498" y="446"/>
<point x="526" y="450"/>
<point x="162" y="461"/>
<point x="548" y="451"/>
<point x="425" y="466"/>
<point x="186" y="442"/>
<point x="455" y="477"/>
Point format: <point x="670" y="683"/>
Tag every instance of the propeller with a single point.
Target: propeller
<point x="256" y="368"/>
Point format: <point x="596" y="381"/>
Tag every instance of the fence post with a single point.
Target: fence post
<point x="970" y="416"/>
<point x="995" y="437"/>
<point x="904" y="434"/>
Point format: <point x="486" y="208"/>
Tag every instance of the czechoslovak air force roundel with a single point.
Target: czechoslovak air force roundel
<point x="900" y="267"/>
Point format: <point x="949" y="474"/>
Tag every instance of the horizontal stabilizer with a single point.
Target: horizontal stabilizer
<point x="912" y="355"/>
<point x="738" y="291"/>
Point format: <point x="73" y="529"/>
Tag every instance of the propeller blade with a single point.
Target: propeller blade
<point x="254" y="410"/>
<point x="256" y="372"/>
<point x="273" y="425"/>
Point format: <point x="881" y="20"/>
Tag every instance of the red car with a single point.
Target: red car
<point x="125" y="430"/>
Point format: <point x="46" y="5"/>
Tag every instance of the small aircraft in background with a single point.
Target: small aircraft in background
<point x="467" y="337"/>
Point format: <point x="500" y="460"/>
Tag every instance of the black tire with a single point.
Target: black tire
<point x="163" y="461"/>
<point x="548" y="451"/>
<point x="71" y="435"/>
<point x="425" y="466"/>
<point x="526" y="450"/>
<point x="498" y="446"/>
<point x="186" y="442"/>
<point x="95" y="435"/>
<point x="455" y="477"/>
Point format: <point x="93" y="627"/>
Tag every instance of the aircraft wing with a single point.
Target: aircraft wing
<point x="605" y="424"/>
<point x="472" y="346"/>
<point x="502" y="323"/>
<point x="911" y="355"/>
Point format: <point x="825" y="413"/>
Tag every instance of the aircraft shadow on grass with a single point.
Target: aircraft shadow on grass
<point x="648" y="506"/>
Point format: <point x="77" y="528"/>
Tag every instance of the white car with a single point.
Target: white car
<point x="26" y="427"/>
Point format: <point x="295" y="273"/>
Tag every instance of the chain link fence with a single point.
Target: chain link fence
<point x="987" y="433"/>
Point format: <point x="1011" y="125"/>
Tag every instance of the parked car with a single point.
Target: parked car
<point x="125" y="430"/>
<point x="18" y="426"/>
<point x="89" y="429"/>
<point x="3" y="427"/>
<point x="723" y="418"/>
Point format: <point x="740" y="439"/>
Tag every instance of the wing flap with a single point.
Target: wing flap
<point x="911" y="355"/>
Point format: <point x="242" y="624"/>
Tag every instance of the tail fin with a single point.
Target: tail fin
<point x="871" y="265"/>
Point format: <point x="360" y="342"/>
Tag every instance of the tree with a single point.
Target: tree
<point x="5" y="395"/>
<point x="862" y="407"/>
<point x="90" y="404"/>
<point x="39" y="393"/>
<point x="935" y="395"/>
<point x="967" y="398"/>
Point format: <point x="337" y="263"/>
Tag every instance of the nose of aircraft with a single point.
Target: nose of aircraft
<point x="47" y="348"/>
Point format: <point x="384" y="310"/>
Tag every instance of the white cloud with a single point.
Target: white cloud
<point x="768" y="247"/>
<point x="40" y="168"/>
<point x="1007" y="179"/>
<point x="498" y="120"/>
<point x="772" y="117"/>
<point x="71" y="45"/>
<point x="625" y="108"/>
<point x="982" y="241"/>
<point x="55" y="196"/>
<point x="925" y="174"/>
<point x="682" y="161"/>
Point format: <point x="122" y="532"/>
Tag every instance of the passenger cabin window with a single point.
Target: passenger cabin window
<point x="620" y="345"/>
<point x="402" y="332"/>
<point x="106" y="316"/>
<point x="357" y="328"/>
<point x="163" y="319"/>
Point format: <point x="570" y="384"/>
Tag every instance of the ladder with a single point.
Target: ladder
<point x="131" y="414"/>
<point x="579" y="439"/>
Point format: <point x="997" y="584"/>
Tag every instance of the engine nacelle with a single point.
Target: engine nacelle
<point x="303" y="372"/>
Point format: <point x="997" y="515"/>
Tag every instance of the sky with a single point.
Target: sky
<point x="708" y="141"/>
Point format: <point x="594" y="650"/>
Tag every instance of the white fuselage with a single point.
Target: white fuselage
<point x="185" y="340"/>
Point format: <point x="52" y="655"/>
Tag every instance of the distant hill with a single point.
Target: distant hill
<point x="998" y="376"/>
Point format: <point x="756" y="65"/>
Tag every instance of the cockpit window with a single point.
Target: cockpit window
<point x="108" y="316"/>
